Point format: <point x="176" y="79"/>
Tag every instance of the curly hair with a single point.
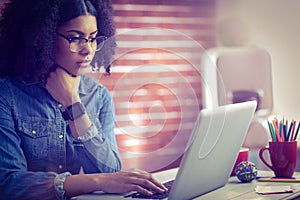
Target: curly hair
<point x="28" y="31"/>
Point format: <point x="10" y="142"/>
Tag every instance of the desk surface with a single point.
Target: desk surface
<point x="234" y="189"/>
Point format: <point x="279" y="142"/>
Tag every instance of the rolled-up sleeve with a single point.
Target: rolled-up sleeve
<point x="99" y="144"/>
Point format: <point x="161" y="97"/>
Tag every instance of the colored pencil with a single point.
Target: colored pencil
<point x="273" y="136"/>
<point x="295" y="138"/>
<point x="281" y="131"/>
<point x="276" y="130"/>
<point x="290" y="129"/>
<point x="293" y="130"/>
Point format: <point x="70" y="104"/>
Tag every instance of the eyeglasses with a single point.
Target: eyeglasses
<point x="79" y="43"/>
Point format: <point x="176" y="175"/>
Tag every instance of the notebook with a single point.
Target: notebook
<point x="213" y="147"/>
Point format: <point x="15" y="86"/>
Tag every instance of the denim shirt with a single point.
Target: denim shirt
<point x="36" y="144"/>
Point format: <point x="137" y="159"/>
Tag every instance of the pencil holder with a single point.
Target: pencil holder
<point x="283" y="156"/>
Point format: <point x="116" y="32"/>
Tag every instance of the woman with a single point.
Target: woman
<point x="53" y="119"/>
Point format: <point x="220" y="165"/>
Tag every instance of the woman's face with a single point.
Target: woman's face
<point x="76" y="63"/>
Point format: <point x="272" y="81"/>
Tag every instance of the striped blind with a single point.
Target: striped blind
<point x="155" y="81"/>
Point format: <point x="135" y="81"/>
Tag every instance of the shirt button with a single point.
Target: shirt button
<point x="33" y="132"/>
<point x="61" y="136"/>
<point x="60" y="166"/>
<point x="59" y="105"/>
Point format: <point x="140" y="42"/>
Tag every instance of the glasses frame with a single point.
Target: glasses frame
<point x="70" y="40"/>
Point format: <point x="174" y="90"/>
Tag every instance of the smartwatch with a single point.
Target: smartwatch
<point x="73" y="111"/>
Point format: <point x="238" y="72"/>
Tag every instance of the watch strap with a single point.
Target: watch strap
<point x="73" y="111"/>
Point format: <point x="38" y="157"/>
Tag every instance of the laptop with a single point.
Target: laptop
<point x="213" y="147"/>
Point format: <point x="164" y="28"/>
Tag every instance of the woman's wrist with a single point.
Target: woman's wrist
<point x="80" y="125"/>
<point x="73" y="111"/>
<point x="83" y="183"/>
<point x="59" y="185"/>
<point x="69" y="101"/>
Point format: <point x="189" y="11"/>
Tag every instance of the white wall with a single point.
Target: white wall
<point x="275" y="26"/>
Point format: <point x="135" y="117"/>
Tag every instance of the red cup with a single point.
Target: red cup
<point x="242" y="156"/>
<point x="283" y="156"/>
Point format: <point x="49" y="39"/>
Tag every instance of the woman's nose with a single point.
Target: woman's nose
<point x="87" y="48"/>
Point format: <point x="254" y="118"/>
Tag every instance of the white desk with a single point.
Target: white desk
<point x="234" y="189"/>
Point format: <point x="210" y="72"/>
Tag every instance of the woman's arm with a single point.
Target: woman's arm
<point x="119" y="182"/>
<point x="95" y="139"/>
<point x="64" y="89"/>
<point x="99" y="141"/>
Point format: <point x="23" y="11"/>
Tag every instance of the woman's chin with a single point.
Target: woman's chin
<point x="83" y="70"/>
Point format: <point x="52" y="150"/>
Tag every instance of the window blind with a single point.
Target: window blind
<point x="155" y="81"/>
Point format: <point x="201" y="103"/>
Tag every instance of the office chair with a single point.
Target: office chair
<point x="237" y="74"/>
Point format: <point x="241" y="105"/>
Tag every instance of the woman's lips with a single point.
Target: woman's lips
<point x="84" y="63"/>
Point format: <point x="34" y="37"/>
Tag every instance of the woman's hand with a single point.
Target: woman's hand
<point x="118" y="183"/>
<point x="63" y="87"/>
<point x="136" y="180"/>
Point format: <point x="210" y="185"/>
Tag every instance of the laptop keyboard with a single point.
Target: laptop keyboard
<point x="137" y="195"/>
